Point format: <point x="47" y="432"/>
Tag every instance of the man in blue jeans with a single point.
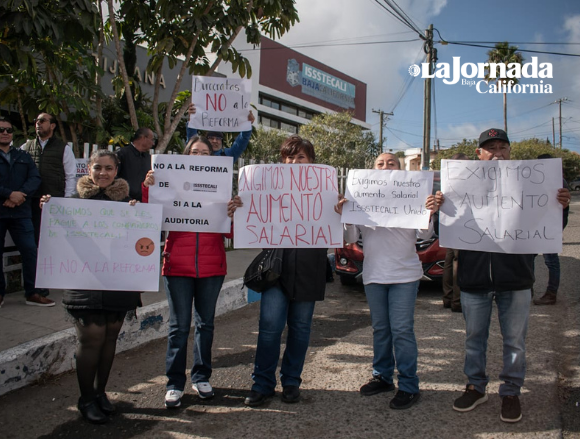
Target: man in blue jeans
<point x="19" y="180"/>
<point x="508" y="279"/>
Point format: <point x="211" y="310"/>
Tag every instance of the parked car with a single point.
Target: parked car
<point x="349" y="259"/>
<point x="575" y="185"/>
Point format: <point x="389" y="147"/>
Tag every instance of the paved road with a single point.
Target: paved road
<point x="338" y="362"/>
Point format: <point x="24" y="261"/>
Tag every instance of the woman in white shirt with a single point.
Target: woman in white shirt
<point x="391" y="275"/>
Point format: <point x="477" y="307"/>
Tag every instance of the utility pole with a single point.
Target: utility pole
<point x="559" y="102"/>
<point x="553" y="134"/>
<point x="431" y="59"/>
<point x="381" y="114"/>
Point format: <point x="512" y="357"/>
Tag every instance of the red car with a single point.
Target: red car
<point x="349" y="259"/>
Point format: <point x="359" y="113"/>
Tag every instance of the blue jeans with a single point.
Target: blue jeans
<point x="22" y="233"/>
<point x="392" y="309"/>
<point x="275" y="311"/>
<point x="552" y="261"/>
<point x="182" y="293"/>
<point x="513" y="311"/>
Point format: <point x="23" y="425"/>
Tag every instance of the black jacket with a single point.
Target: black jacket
<point x="303" y="276"/>
<point x="133" y="167"/>
<point x="17" y="174"/>
<point x="102" y="299"/>
<point x="483" y="272"/>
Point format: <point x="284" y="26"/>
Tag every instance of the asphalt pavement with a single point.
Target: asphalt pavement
<point x="338" y="363"/>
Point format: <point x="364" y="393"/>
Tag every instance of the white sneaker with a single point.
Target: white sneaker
<point x="203" y="389"/>
<point x="173" y="398"/>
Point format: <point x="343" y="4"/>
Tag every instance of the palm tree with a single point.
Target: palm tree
<point x="505" y="54"/>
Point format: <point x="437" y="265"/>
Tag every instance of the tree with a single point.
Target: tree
<point x="181" y="32"/>
<point x="265" y="145"/>
<point x="466" y="147"/>
<point x="506" y="55"/>
<point x="338" y="142"/>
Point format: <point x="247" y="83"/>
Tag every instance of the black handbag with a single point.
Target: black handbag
<point x="265" y="270"/>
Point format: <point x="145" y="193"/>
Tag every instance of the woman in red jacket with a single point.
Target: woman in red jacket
<point x="194" y="268"/>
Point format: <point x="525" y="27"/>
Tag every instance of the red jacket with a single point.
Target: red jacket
<point x="193" y="254"/>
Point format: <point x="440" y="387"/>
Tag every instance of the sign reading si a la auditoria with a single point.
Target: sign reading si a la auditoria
<point x="467" y="72"/>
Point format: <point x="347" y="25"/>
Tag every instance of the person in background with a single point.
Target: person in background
<point x="216" y="138"/>
<point x="451" y="293"/>
<point x="135" y="161"/>
<point x="194" y="268"/>
<point x="507" y="279"/>
<point x="19" y="180"/>
<point x="98" y="314"/>
<point x="289" y="303"/>
<point x="391" y="294"/>
<point x="552" y="260"/>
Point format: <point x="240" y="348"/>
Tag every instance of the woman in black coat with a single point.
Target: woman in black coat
<point x="98" y="315"/>
<point x="290" y="302"/>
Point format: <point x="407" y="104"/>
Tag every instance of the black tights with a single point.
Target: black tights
<point x="95" y="355"/>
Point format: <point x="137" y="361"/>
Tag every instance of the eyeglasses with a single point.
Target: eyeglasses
<point x="7" y="130"/>
<point x="199" y="153"/>
<point x="214" y="138"/>
<point x="41" y="120"/>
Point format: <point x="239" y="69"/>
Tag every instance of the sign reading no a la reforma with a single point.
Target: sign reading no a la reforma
<point x="287" y="206"/>
<point x="387" y="198"/>
<point x="99" y="245"/>
<point x="222" y="104"/>
<point x="503" y="206"/>
<point x="194" y="192"/>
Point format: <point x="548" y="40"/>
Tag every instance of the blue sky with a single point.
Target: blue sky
<point x="342" y="34"/>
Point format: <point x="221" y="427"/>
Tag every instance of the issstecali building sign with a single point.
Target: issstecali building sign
<point x="290" y="72"/>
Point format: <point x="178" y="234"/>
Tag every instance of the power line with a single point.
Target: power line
<point x="519" y="50"/>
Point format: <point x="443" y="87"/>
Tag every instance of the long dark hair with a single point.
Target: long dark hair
<point x="294" y="144"/>
<point x="196" y="139"/>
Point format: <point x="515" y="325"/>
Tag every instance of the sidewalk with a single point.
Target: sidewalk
<point x="26" y="331"/>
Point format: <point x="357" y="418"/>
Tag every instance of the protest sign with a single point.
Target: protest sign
<point x="82" y="168"/>
<point x="387" y="198"/>
<point x="503" y="206"/>
<point x="99" y="245"/>
<point x="194" y="192"/>
<point x="287" y="206"/>
<point x="222" y="104"/>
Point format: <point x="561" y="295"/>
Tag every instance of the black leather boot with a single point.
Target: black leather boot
<point x="105" y="405"/>
<point x="92" y="412"/>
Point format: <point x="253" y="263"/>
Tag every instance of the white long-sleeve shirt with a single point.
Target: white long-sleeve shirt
<point x="390" y="254"/>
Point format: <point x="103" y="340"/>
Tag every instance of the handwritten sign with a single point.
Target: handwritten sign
<point x="82" y="167"/>
<point x="287" y="206"/>
<point x="194" y="192"/>
<point x="504" y="206"/>
<point x="99" y="245"/>
<point x="387" y="198"/>
<point x="222" y="104"/>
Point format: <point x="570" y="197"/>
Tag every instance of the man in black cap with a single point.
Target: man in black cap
<point x="216" y="138"/>
<point x="507" y="279"/>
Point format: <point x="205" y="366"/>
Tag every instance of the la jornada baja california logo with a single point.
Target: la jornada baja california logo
<point x="469" y="72"/>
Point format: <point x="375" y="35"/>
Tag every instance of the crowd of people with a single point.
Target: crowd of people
<point x="194" y="268"/>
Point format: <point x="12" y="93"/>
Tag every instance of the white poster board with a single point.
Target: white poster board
<point x="287" y="206"/>
<point x="99" y="245"/>
<point x="194" y="192"/>
<point x="222" y="104"/>
<point x="82" y="168"/>
<point x="387" y="198"/>
<point x="503" y="206"/>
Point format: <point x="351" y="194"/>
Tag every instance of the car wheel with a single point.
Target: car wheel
<point x="347" y="280"/>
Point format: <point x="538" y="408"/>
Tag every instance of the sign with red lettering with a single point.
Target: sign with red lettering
<point x="287" y="206"/>
<point x="99" y="245"/>
<point x="222" y="104"/>
<point x="501" y="206"/>
<point x="387" y="198"/>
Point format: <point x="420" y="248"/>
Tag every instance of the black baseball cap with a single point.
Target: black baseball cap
<point x="493" y="134"/>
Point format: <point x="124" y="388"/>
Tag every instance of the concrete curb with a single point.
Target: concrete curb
<point x="54" y="354"/>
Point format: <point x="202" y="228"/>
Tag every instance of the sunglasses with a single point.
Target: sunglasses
<point x="7" y="130"/>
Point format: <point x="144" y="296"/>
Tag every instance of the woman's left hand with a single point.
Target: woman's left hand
<point x="133" y="202"/>
<point x="338" y="206"/>
<point x="434" y="201"/>
<point x="233" y="204"/>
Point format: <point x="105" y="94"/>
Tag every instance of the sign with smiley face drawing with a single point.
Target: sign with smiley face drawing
<point x="99" y="245"/>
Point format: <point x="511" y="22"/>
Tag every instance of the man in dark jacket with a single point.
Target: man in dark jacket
<point x="56" y="164"/>
<point x="19" y="180"/>
<point x="135" y="161"/>
<point x="506" y="278"/>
